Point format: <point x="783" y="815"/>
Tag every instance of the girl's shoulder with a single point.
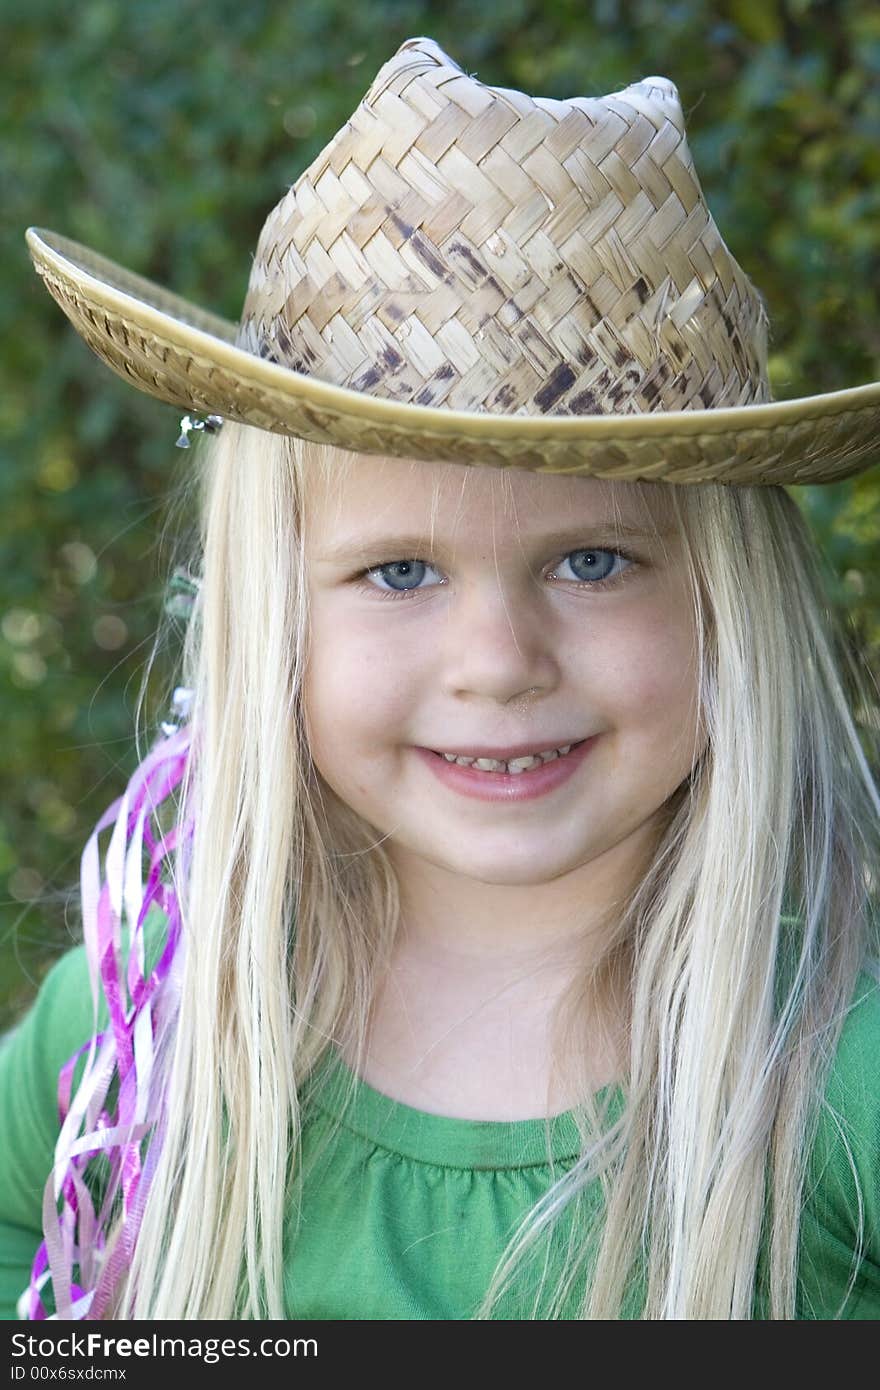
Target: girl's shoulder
<point x="841" y="1217"/>
<point x="854" y="1080"/>
<point x="59" y="1021"/>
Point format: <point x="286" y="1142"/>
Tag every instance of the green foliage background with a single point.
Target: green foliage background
<point x="161" y="132"/>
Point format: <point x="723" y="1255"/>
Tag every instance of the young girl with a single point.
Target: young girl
<point x="508" y="945"/>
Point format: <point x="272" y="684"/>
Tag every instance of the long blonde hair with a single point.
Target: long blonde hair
<point x="744" y="939"/>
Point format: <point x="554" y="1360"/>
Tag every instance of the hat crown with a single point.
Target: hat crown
<point x="477" y="248"/>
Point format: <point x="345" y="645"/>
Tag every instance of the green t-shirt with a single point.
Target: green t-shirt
<point x="405" y="1213"/>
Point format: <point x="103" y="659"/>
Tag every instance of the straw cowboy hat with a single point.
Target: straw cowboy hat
<point x="468" y="273"/>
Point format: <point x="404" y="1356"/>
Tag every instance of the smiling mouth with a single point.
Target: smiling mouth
<point x="500" y="767"/>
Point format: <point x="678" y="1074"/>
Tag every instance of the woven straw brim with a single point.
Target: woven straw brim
<point x="172" y="349"/>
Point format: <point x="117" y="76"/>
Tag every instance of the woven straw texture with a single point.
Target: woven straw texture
<point x="461" y="254"/>
<point x="475" y="247"/>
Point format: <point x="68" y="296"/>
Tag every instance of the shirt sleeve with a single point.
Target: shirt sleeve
<point x="58" y="1022"/>
<point x="840" y="1248"/>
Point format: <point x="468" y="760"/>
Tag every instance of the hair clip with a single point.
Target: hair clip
<point x="180" y="705"/>
<point x="180" y="594"/>
<point x="211" y="423"/>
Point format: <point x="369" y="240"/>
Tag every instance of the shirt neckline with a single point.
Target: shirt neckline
<point x="445" y="1140"/>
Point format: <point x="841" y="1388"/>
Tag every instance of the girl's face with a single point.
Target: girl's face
<point x="490" y="629"/>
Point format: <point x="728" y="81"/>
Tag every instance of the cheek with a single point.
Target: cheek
<point x="666" y="687"/>
<point x="663" y="680"/>
<point x="645" y="673"/>
<point x="356" y="690"/>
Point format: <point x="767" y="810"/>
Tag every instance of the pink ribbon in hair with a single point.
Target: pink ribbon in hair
<point x="74" y="1232"/>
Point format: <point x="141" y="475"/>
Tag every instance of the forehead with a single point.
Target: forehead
<point x="376" y="492"/>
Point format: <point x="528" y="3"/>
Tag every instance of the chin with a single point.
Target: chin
<point x="511" y="872"/>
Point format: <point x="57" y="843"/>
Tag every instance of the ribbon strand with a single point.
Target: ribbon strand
<point x="73" y="1255"/>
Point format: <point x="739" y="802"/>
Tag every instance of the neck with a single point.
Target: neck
<point x="498" y="930"/>
<point x="504" y="1001"/>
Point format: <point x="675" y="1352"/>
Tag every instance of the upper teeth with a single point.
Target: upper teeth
<point x="513" y="765"/>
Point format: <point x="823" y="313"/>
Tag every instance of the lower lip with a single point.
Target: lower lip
<point x="507" y="786"/>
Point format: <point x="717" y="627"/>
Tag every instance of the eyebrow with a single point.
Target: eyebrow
<point x="402" y="546"/>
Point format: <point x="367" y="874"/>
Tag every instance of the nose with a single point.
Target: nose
<point x="499" y="644"/>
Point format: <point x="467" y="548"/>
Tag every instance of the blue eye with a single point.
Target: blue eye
<point x="400" y="572"/>
<point x="594" y="568"/>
